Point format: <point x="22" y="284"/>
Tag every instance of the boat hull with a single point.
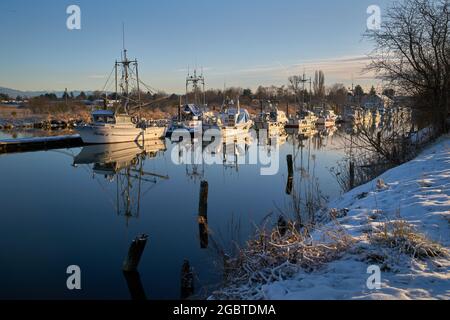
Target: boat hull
<point x="106" y="135"/>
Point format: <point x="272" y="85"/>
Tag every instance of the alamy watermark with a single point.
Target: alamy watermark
<point x="374" y="280"/>
<point x="73" y="21"/>
<point x="213" y="147"/>
<point x="374" y="19"/>
<point x="74" y="280"/>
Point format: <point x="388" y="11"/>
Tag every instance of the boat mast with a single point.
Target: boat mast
<point x="125" y="81"/>
<point x="196" y="81"/>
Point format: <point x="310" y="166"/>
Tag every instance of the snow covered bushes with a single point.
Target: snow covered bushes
<point x="278" y="255"/>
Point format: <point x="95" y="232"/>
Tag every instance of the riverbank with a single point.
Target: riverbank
<point x="399" y="223"/>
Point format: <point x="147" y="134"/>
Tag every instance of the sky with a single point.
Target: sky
<point x="242" y="43"/>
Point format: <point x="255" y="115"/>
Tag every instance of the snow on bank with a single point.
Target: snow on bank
<point x="417" y="192"/>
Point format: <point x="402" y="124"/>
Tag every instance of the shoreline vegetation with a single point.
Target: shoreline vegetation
<point x="400" y="222"/>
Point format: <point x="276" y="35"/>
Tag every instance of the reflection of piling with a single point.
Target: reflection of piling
<point x="290" y="181"/>
<point x="203" y="215"/>
<point x="135" y="285"/>
<point x="187" y="280"/>
<point x="352" y="175"/>
<point x="134" y="254"/>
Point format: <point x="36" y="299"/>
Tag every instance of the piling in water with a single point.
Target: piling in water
<point x="290" y="180"/>
<point x="203" y="215"/>
<point x="352" y="175"/>
<point x="135" y="253"/>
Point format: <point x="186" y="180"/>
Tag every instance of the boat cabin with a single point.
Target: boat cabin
<point x="109" y="117"/>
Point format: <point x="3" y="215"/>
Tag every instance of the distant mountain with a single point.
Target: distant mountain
<point x="13" y="93"/>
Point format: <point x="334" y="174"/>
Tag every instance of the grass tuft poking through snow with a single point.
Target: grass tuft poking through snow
<point x="402" y="236"/>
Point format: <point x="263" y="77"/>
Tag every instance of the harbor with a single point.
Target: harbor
<point x="211" y="151"/>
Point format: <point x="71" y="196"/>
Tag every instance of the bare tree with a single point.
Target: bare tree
<point x="319" y="85"/>
<point x="294" y="85"/>
<point x="413" y="53"/>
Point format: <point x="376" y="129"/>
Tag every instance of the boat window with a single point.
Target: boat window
<point x="103" y="119"/>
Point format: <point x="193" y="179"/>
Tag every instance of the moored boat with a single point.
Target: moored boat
<point x="118" y="125"/>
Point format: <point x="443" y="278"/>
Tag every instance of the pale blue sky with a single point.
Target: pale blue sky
<point x="242" y="42"/>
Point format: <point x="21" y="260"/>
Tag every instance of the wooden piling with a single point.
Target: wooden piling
<point x="290" y="180"/>
<point x="203" y="203"/>
<point x="203" y="215"/>
<point x="352" y="175"/>
<point x="135" y="253"/>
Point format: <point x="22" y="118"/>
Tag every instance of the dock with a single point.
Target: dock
<point x="40" y="143"/>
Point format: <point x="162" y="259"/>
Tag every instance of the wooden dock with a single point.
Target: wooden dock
<point x="40" y="143"/>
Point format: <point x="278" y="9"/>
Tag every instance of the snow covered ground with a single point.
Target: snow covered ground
<point x="417" y="192"/>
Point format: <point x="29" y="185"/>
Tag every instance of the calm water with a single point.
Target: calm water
<point x="84" y="206"/>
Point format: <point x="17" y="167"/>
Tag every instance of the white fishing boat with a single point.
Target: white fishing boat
<point x="189" y="118"/>
<point x="110" y="127"/>
<point x="190" y="115"/>
<point x="233" y="120"/>
<point x="271" y="118"/>
<point x="119" y="125"/>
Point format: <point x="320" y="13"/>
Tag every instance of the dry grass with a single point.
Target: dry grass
<point x="403" y="237"/>
<point x="278" y="255"/>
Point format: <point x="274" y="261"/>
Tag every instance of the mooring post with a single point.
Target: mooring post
<point x="135" y="253"/>
<point x="187" y="280"/>
<point x="352" y="175"/>
<point x="203" y="214"/>
<point x="290" y="180"/>
<point x="203" y="203"/>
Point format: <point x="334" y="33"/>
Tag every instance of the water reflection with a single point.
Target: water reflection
<point x="123" y="164"/>
<point x="184" y="216"/>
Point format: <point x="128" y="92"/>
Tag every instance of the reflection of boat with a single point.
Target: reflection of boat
<point x="303" y="119"/>
<point x="326" y="131"/>
<point x="233" y="120"/>
<point x="123" y="163"/>
<point x="119" y="126"/>
<point x="120" y="153"/>
<point x="326" y="118"/>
